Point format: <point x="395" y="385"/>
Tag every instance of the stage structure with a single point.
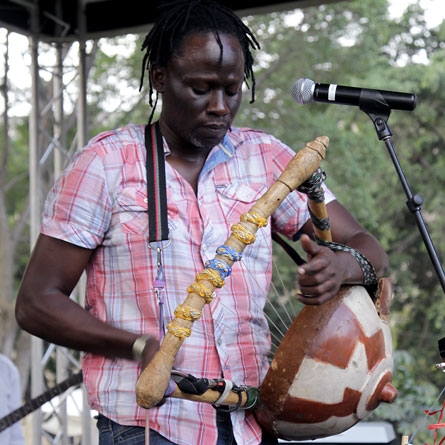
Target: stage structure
<point x="62" y="24"/>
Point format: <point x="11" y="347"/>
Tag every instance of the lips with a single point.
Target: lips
<point x="216" y="127"/>
<point x="214" y="131"/>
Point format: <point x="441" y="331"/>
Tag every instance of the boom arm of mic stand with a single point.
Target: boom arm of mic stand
<point x="379" y="111"/>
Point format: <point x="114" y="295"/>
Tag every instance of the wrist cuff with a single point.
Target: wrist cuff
<point x="139" y="346"/>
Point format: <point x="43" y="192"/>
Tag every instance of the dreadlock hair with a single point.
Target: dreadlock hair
<point x="179" y="18"/>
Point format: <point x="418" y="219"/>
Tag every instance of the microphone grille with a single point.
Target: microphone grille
<point x="303" y="91"/>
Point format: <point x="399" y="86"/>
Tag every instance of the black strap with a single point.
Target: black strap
<point x="156" y="188"/>
<point x="190" y="384"/>
<point x="288" y="249"/>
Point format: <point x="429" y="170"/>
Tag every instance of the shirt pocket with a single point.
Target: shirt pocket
<point x="238" y="198"/>
<point x="133" y="210"/>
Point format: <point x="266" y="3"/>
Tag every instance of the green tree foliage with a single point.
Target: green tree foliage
<point x="350" y="43"/>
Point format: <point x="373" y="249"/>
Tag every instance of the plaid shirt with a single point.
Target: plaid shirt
<point x="100" y="202"/>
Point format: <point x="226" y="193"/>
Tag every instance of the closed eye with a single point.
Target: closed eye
<point x="199" y="91"/>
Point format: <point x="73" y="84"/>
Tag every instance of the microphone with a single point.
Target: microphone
<point x="306" y="90"/>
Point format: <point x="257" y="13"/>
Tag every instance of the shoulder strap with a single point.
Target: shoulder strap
<point x="156" y="188"/>
<point x="288" y="249"/>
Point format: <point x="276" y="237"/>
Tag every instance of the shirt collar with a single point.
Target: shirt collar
<point x="220" y="153"/>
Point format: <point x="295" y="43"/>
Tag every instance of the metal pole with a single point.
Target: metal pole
<point x="82" y="111"/>
<point x="61" y="353"/>
<point x="82" y="137"/>
<point x="59" y="130"/>
<point x="35" y="209"/>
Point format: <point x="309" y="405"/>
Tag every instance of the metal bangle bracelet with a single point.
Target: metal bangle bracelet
<point x="139" y="346"/>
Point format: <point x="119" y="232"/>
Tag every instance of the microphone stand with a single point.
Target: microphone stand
<point x="378" y="110"/>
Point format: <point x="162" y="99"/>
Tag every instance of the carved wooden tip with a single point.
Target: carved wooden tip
<point x="324" y="140"/>
<point x="319" y="145"/>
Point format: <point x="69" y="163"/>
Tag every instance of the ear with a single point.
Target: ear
<point x="157" y="75"/>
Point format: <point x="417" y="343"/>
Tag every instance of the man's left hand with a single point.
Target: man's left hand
<point x="321" y="277"/>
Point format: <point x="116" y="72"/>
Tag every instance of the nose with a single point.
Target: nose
<point x="218" y="103"/>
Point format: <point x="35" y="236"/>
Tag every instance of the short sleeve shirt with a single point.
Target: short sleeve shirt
<point x="100" y="203"/>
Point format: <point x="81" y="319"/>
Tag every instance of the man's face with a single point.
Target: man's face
<point x="201" y="92"/>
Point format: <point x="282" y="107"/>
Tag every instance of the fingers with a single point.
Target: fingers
<point x="314" y="301"/>
<point x="317" y="293"/>
<point x="309" y="246"/>
<point x="319" y="259"/>
<point x="318" y="279"/>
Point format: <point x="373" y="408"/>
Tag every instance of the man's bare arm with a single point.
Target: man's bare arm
<point x="44" y="309"/>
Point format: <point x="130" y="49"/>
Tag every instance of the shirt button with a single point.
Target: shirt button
<point x="219" y="342"/>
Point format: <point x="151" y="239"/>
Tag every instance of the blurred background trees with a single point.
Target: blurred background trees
<point x="350" y="43"/>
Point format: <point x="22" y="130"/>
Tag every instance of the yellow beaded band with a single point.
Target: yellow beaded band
<point x="212" y="276"/>
<point x="178" y="331"/>
<point x="202" y="291"/>
<point x="187" y="313"/>
<point x="240" y="232"/>
<point x="254" y="218"/>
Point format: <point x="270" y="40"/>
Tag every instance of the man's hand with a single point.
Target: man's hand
<point x="323" y="274"/>
<point x="321" y="278"/>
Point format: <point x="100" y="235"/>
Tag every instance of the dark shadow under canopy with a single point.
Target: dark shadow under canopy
<point x="59" y="20"/>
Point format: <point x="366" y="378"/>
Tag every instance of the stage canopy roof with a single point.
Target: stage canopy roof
<point x="58" y="20"/>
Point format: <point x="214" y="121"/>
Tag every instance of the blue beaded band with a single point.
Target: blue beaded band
<point x="231" y="253"/>
<point x="221" y="267"/>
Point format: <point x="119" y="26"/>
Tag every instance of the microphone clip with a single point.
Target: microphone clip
<point x="376" y="107"/>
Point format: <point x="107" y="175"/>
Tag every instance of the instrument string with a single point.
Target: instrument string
<point x="274" y="307"/>
<point x="275" y="339"/>
<point x="279" y="297"/>
<point x="277" y="325"/>
<point x="285" y="291"/>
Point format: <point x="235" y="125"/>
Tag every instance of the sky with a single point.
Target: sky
<point x="434" y="9"/>
<point x="434" y="13"/>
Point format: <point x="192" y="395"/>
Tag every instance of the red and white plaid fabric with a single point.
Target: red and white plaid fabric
<point x="100" y="202"/>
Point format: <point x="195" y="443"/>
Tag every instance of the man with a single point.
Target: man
<point x="198" y="55"/>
